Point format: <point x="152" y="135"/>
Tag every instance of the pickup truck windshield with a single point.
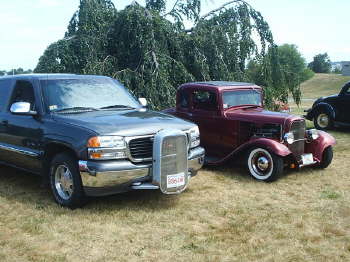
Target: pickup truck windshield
<point x="75" y="94"/>
<point x="241" y="97"/>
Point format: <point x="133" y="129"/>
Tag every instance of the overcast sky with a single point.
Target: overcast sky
<point x="316" y="26"/>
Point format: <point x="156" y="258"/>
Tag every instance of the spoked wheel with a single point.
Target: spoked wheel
<point x="65" y="181"/>
<point x="263" y="165"/>
<point x="323" y="121"/>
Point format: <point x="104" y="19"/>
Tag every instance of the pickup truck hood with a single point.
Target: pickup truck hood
<point x="259" y="115"/>
<point x="124" y="122"/>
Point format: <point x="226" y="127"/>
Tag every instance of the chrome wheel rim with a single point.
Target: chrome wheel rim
<point x="64" y="182"/>
<point x="322" y="120"/>
<point x="260" y="163"/>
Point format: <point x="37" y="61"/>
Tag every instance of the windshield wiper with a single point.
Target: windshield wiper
<point x="76" y="108"/>
<point x="117" y="106"/>
<point x="251" y="106"/>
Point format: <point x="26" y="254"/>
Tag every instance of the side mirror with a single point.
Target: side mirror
<point x="22" y="108"/>
<point x="143" y="101"/>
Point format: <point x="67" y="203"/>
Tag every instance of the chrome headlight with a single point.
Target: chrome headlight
<point x="289" y="138"/>
<point x="312" y="134"/>
<point x="194" y="137"/>
<point x="106" y="147"/>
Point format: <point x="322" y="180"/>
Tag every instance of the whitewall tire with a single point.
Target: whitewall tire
<point x="263" y="165"/>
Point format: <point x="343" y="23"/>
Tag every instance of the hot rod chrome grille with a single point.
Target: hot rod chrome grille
<point x="141" y="148"/>
<point x="298" y="128"/>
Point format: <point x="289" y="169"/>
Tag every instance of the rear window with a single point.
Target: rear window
<point x="204" y="100"/>
<point x="5" y="86"/>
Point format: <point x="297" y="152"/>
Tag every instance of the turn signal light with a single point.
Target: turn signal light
<point x="95" y="155"/>
<point x="94" y="142"/>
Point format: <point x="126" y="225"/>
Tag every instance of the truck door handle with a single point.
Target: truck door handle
<point x="5" y="122"/>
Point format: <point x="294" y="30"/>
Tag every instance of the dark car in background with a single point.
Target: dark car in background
<point x="234" y="124"/>
<point x="88" y="136"/>
<point x="328" y="112"/>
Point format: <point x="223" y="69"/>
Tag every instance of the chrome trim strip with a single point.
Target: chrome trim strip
<point x="20" y="151"/>
<point x="144" y="186"/>
<point x="302" y="139"/>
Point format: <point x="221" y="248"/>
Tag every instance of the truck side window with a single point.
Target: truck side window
<point x="5" y="86"/>
<point x="183" y="99"/>
<point x="204" y="100"/>
<point x="23" y="92"/>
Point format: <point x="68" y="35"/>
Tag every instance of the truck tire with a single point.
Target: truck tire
<point x="65" y="181"/>
<point x="327" y="157"/>
<point x="264" y="165"/>
<point x="323" y="120"/>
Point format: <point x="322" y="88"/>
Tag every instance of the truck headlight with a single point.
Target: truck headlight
<point x="312" y="134"/>
<point x="106" y="147"/>
<point x="289" y="138"/>
<point x="194" y="137"/>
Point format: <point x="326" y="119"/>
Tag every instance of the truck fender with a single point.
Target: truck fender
<point x="316" y="147"/>
<point x="322" y="107"/>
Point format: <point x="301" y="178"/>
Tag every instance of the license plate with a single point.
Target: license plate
<point x="175" y="180"/>
<point x="307" y="159"/>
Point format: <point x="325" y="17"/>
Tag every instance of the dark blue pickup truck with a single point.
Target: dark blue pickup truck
<point x="88" y="136"/>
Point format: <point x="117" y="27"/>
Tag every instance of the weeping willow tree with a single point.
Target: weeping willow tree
<point x="150" y="50"/>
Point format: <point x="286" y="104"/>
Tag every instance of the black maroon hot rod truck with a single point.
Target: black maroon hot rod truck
<point x="89" y="136"/>
<point x="233" y="123"/>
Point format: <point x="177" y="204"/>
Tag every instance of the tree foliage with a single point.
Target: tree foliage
<point x="291" y="71"/>
<point x="151" y="52"/>
<point x="321" y="64"/>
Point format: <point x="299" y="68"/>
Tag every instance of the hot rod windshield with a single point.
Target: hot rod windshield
<point x="93" y="93"/>
<point x="241" y="97"/>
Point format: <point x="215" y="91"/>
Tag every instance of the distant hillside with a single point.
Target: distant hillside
<point x="323" y="85"/>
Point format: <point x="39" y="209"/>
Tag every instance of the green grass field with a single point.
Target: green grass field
<point x="323" y="85"/>
<point x="223" y="216"/>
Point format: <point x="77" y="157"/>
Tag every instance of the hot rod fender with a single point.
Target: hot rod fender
<point x="273" y="146"/>
<point x="316" y="147"/>
<point x="321" y="107"/>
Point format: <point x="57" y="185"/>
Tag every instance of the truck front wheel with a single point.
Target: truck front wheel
<point x="263" y="165"/>
<point x="65" y="181"/>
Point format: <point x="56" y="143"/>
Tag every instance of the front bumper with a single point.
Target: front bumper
<point x="101" y="178"/>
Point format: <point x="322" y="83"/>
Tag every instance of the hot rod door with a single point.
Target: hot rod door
<point x="206" y="114"/>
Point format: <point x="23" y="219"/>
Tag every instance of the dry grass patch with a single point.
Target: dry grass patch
<point x="223" y="216"/>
